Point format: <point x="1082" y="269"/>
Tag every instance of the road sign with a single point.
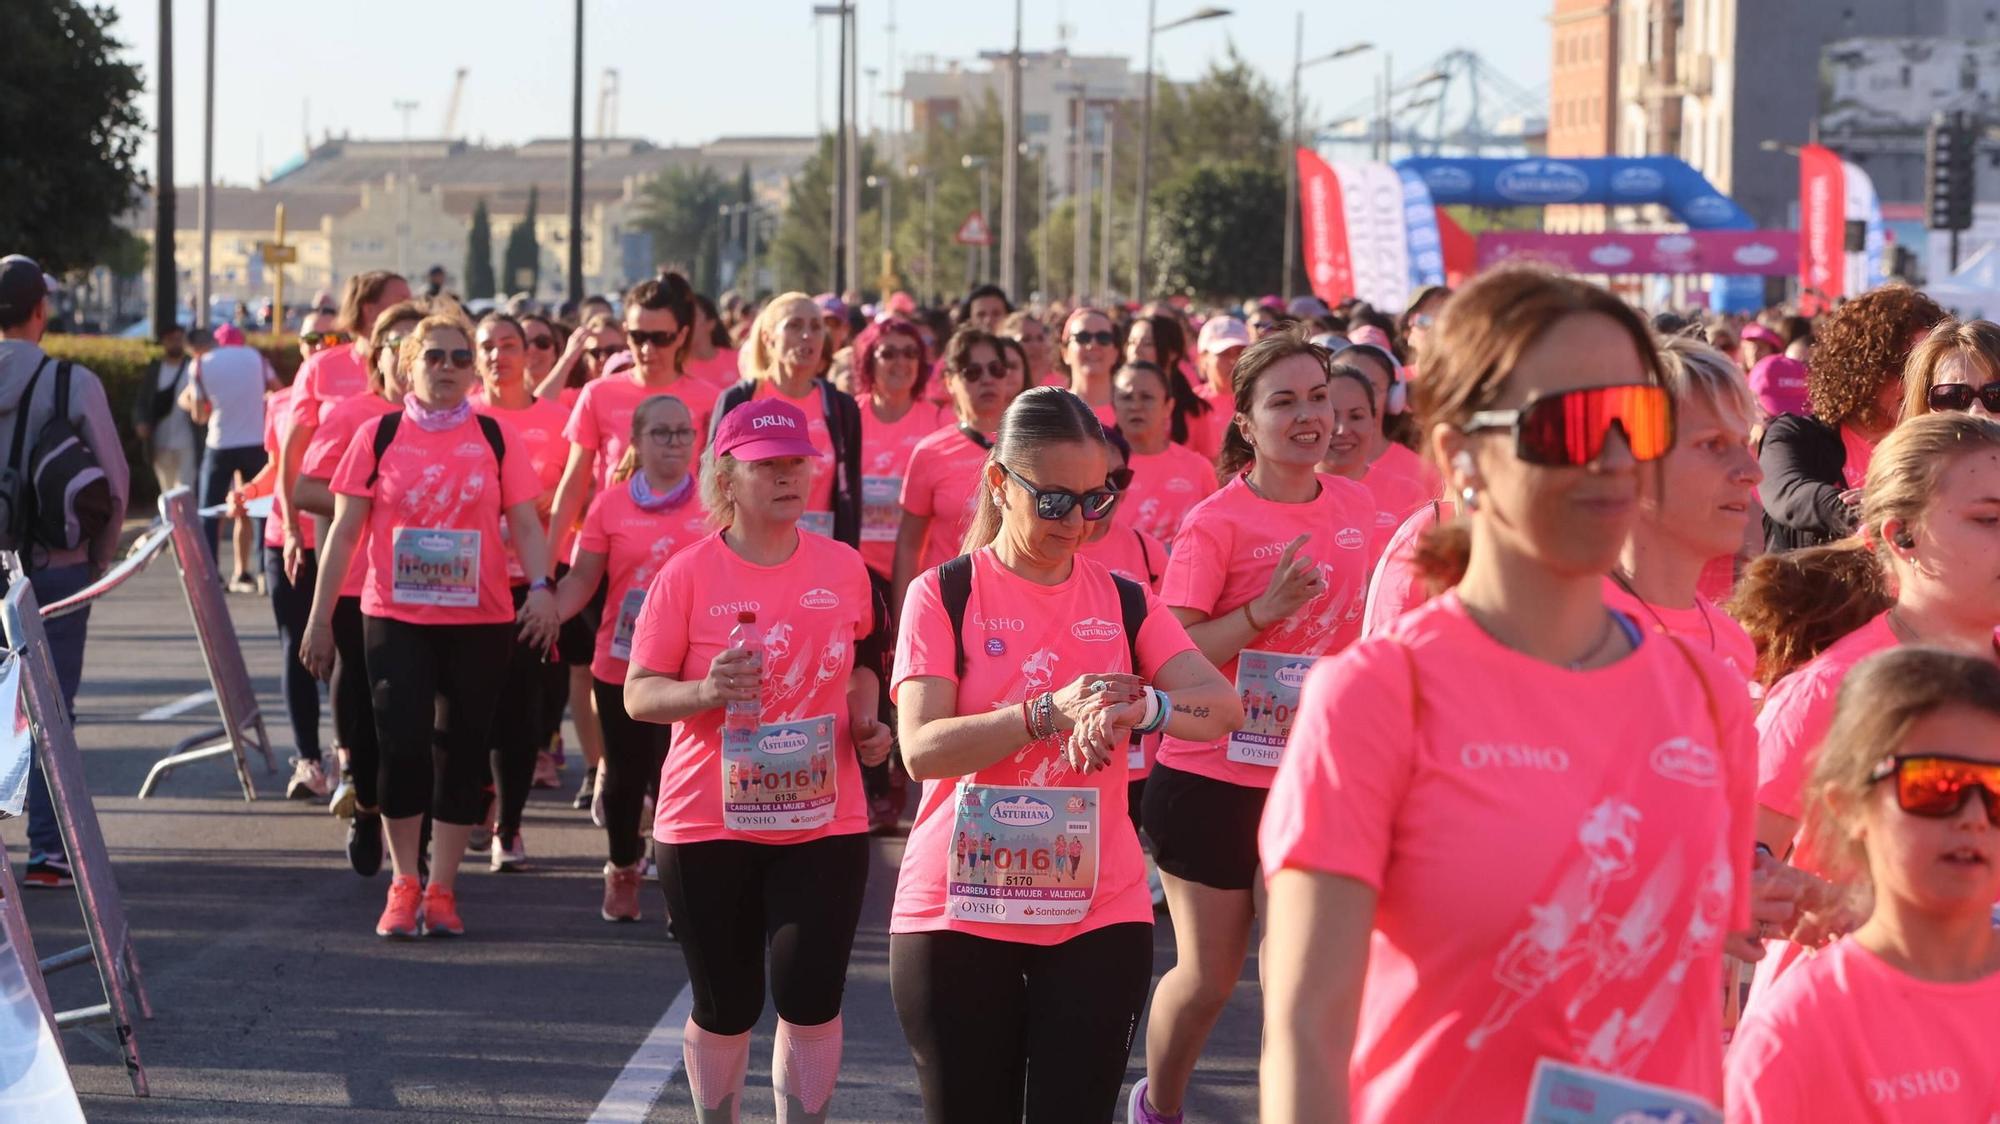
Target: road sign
<point x="277" y="253"/>
<point x="974" y="231"/>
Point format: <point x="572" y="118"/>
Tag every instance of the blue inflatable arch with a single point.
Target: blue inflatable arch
<point x="1614" y="180"/>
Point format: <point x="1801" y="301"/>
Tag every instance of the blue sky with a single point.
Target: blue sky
<point x="692" y="72"/>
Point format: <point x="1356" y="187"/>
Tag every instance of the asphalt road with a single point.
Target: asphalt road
<point x="274" y="1000"/>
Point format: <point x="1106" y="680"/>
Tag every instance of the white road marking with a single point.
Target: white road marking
<point x="652" y="1065"/>
<point x="178" y="706"/>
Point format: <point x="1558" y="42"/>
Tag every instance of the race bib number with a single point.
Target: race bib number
<point x="1023" y="856"/>
<point x="1570" y="1094"/>
<point x="779" y="777"/>
<point x="627" y="622"/>
<point x="1268" y="683"/>
<point x="818" y="522"/>
<point x="881" y="508"/>
<point x="433" y="567"/>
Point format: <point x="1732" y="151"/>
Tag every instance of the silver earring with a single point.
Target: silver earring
<point x="999" y="500"/>
<point x="1469" y="497"/>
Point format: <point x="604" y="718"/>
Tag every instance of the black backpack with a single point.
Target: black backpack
<point x="955" y="588"/>
<point x="53" y="492"/>
<point x="386" y="433"/>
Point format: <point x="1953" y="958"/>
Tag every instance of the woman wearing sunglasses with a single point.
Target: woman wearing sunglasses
<point x="437" y="619"/>
<point x="584" y="359"/>
<point x="1957" y="367"/>
<point x="1813" y="466"/>
<point x="1267" y="576"/>
<point x="1019" y="977"/>
<point x="761" y="823"/>
<point x="788" y="350"/>
<point x="652" y="511"/>
<point x="541" y="336"/>
<point x="356" y="799"/>
<point x="1700" y="514"/>
<point x="1168" y="478"/>
<point x="1090" y="351"/>
<point x="518" y="722"/>
<point x="1604" y="773"/>
<point x="1899" y="1016"/>
<point x="890" y="373"/>
<point x="941" y="485"/>
<point x="318" y="331"/>
<point x="1419" y="321"/>
<point x="1929" y="532"/>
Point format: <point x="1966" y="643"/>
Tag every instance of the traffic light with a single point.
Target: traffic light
<point x="1948" y="169"/>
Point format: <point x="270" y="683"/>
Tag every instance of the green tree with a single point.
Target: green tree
<point x="679" y="209"/>
<point x="69" y="133"/>
<point x="479" y="256"/>
<point x="523" y="252"/>
<point x="1216" y="230"/>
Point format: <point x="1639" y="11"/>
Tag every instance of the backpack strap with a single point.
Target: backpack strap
<point x="62" y="389"/>
<point x="20" y="444"/>
<point x="490" y="426"/>
<point x="385" y="434"/>
<point x="955" y="588"/>
<point x="1145" y="556"/>
<point x="1131" y="614"/>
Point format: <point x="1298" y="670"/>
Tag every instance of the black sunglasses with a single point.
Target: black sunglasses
<point x="891" y="354"/>
<point x="651" y="339"/>
<point x="459" y="357"/>
<point x="974" y="372"/>
<point x="1959" y="396"/>
<point x="329" y="339"/>
<point x="542" y="343"/>
<point x="1120" y="479"/>
<point x="602" y="353"/>
<point x="1103" y="339"/>
<point x="1057" y="503"/>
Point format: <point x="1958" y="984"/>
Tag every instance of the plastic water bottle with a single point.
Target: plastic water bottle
<point x="745" y="716"/>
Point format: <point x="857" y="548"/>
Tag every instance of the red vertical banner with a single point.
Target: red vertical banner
<point x="1461" y="252"/>
<point x="1822" y="221"/>
<point x="1323" y="230"/>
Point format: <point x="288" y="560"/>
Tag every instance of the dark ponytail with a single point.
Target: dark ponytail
<point x="1170" y="351"/>
<point x="1258" y="358"/>
<point x="1041" y="417"/>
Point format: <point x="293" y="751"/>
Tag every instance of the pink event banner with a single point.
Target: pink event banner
<point x="1771" y="252"/>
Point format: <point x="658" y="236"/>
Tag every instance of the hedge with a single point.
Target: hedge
<point x="121" y="365"/>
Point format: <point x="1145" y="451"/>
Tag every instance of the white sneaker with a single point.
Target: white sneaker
<point x="309" y="780"/>
<point x="508" y="859"/>
<point x="342" y="803"/>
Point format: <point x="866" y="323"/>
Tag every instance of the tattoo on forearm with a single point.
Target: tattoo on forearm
<point x="1191" y="711"/>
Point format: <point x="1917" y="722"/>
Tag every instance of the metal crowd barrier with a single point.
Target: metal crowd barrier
<point x="110" y="945"/>
<point x="34" y="1081"/>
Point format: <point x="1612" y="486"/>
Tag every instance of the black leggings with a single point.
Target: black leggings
<point x="996" y="1026"/>
<point x="434" y="688"/>
<point x="729" y="898"/>
<point x="517" y="723"/>
<point x="633" y="753"/>
<point x="291" y="604"/>
<point x="353" y="707"/>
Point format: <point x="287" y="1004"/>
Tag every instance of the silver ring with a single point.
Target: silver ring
<point x="1099" y="686"/>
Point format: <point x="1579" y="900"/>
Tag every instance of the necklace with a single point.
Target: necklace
<point x="1577" y="664"/>
<point x="974" y="436"/>
<point x="1625" y="583"/>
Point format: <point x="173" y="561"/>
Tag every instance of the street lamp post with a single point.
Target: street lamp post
<point x="1299" y="64"/>
<point x="985" y="167"/>
<point x="887" y="183"/>
<point x="930" y="228"/>
<point x="1146" y="138"/>
<point x="1010" y="172"/>
<point x="403" y="188"/>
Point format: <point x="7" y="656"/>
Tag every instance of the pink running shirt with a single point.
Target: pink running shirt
<point x="324" y="379"/>
<point x="277" y="426"/>
<point x="1022" y="639"/>
<point x="1557" y="857"/>
<point x="1227" y="550"/>
<point x="1130" y="553"/>
<point x="813" y="607"/>
<point x="885" y="458"/>
<point x="635" y="543"/>
<point x="718" y="370"/>
<point x="941" y="484"/>
<point x="602" y="417"/>
<point x="1165" y="486"/>
<point x="540" y="427"/>
<point x="330" y="443"/>
<point x="1702" y="626"/>
<point x="436" y="508"/>
<point x="1847" y="1037"/>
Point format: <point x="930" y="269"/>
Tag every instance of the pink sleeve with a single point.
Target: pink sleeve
<point x="916" y="497"/>
<point x="519" y="482"/>
<point x="323" y="453"/>
<point x="1763" y="1078"/>
<point x="924" y="645"/>
<point x="1396" y="587"/>
<point x="861" y="592"/>
<point x="350" y="477"/>
<point x="1347" y="767"/>
<point x="1789" y="729"/>
<point x="305" y="404"/>
<point x="581" y="429"/>
<point x="1161" y="638"/>
<point x="1197" y="568"/>
<point x="593" y="537"/>
<point x="660" y="638"/>
<point x="1737" y="738"/>
<point x="271" y="428"/>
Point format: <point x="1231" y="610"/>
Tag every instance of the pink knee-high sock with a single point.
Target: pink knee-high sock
<point x="805" y="1061"/>
<point x="715" y="1066"/>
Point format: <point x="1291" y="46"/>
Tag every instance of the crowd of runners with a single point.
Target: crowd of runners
<point x="1566" y="707"/>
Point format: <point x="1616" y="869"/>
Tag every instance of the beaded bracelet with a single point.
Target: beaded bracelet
<point x="1045" y="715"/>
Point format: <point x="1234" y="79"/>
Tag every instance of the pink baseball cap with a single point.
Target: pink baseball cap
<point x="1220" y="333"/>
<point x="764" y="429"/>
<point x="1780" y="384"/>
<point x="1758" y="333"/>
<point x="228" y="335"/>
